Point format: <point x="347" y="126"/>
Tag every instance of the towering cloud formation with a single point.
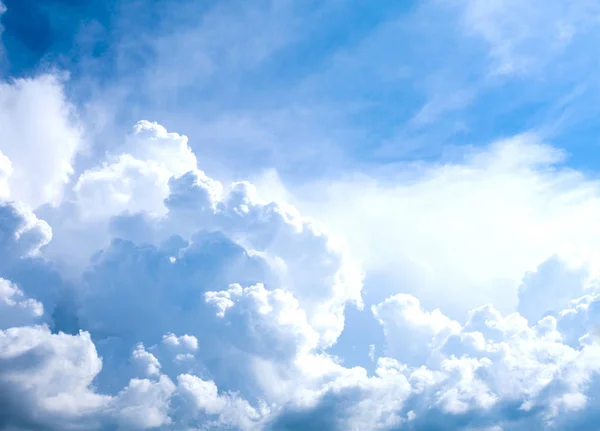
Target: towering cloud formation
<point x="153" y="297"/>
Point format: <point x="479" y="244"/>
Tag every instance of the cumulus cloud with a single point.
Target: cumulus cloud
<point x="23" y="234"/>
<point x="46" y="378"/>
<point x="221" y="411"/>
<point x="186" y="342"/>
<point x="145" y="360"/>
<point x="144" y="404"/>
<point x="464" y="233"/>
<point x="135" y="179"/>
<point x="550" y="288"/>
<point x="15" y="308"/>
<point x="211" y="308"/>
<point x="40" y="136"/>
<point x="412" y="332"/>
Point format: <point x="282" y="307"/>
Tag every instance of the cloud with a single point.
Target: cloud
<point x="219" y="310"/>
<point x="412" y="333"/>
<point x="185" y="342"/>
<point x="15" y="308"/>
<point x="523" y="37"/>
<point x="5" y="172"/>
<point x="550" y="288"/>
<point x="145" y="360"/>
<point x="23" y="234"/>
<point x="137" y="291"/>
<point x="144" y="404"/>
<point x="462" y="233"/>
<point x="267" y="242"/>
<point x="223" y="411"/>
<point x="493" y="371"/>
<point x="39" y="133"/>
<point x="33" y="361"/>
<point x="136" y="179"/>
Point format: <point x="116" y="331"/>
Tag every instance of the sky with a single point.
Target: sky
<point x="289" y="215"/>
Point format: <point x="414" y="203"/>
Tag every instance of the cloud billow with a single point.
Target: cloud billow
<point x="153" y="297"/>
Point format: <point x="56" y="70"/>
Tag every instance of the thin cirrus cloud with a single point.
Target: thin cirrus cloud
<point x="139" y="291"/>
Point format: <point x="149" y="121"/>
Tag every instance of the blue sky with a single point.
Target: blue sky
<point x="294" y="215"/>
<point x="372" y="85"/>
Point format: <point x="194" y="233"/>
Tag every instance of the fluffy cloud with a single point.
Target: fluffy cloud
<point x="46" y="379"/>
<point x="135" y="179"/>
<point x="210" y="308"/>
<point x="144" y="404"/>
<point x="412" y="332"/>
<point x="15" y="308"/>
<point x="5" y="172"/>
<point x="40" y="137"/>
<point x="23" y="234"/>
<point x="493" y="371"/>
<point x="217" y="411"/>
<point x="157" y="182"/>
<point x="145" y="360"/>
<point x="463" y="233"/>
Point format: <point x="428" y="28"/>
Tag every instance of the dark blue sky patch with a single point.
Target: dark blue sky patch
<point x="42" y="33"/>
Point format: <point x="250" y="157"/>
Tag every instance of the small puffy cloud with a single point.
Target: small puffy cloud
<point x="185" y="342"/>
<point x="145" y="360"/>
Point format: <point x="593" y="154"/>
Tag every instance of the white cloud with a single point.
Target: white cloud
<point x="144" y="404"/>
<point x="128" y="184"/>
<point x="185" y="342"/>
<point x="5" y="172"/>
<point x="225" y="310"/>
<point x="137" y="178"/>
<point x="300" y="254"/>
<point x="550" y="288"/>
<point x="52" y="383"/>
<point x="524" y="36"/>
<point x="145" y="360"/>
<point x="152" y="142"/>
<point x="226" y="411"/>
<point x="23" y="234"/>
<point x="412" y="332"/>
<point x="40" y="136"/>
<point x="269" y="322"/>
<point x="15" y="308"/>
<point x="464" y="233"/>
